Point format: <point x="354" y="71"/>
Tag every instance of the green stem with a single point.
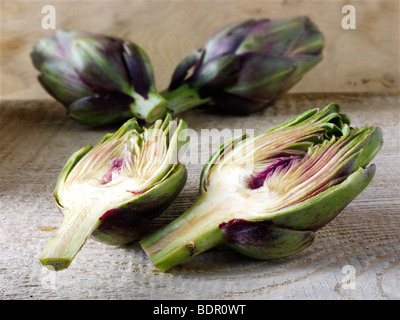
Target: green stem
<point x="150" y="109"/>
<point x="183" y="98"/>
<point x="194" y="232"/>
<point x="72" y="235"/>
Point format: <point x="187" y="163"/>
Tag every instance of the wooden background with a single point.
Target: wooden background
<point x="360" y="72"/>
<point x="362" y="60"/>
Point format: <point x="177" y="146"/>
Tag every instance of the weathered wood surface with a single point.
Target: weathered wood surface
<point x="36" y="140"/>
<point x="362" y="60"/>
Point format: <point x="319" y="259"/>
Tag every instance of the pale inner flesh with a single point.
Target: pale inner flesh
<point x="110" y="175"/>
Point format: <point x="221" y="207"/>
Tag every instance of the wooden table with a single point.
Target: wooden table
<point x="360" y="72"/>
<point x="36" y="141"/>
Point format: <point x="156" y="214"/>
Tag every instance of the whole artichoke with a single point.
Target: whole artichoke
<point x="246" y="66"/>
<point x="113" y="190"/>
<point x="265" y="196"/>
<point x="101" y="80"/>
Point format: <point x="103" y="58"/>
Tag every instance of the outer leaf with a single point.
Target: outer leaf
<point x="121" y="226"/>
<point x="97" y="111"/>
<point x="139" y="67"/>
<point x="316" y="211"/>
<point x="46" y="49"/>
<point x="236" y="105"/>
<point x="62" y="82"/>
<point x="262" y="76"/>
<point x="100" y="64"/>
<point x="227" y="40"/>
<point x="182" y="69"/>
<point x="216" y="74"/>
<point x="132" y="220"/>
<point x="283" y="37"/>
<point x="264" y="241"/>
<point x="155" y="200"/>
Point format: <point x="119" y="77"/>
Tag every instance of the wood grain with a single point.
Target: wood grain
<point x="362" y="60"/>
<point x="36" y="140"/>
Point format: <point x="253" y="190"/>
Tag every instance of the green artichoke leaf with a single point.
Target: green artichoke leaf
<point x="99" y="64"/>
<point x="316" y="211"/>
<point x="62" y="82"/>
<point x="252" y="81"/>
<point x="217" y="73"/>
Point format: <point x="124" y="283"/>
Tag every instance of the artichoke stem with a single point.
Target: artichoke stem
<point x="72" y="235"/>
<point x="194" y="232"/>
<point x="150" y="109"/>
<point x="183" y="98"/>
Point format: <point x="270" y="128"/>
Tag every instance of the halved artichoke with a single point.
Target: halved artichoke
<point x="113" y="190"/>
<point x="265" y="196"/>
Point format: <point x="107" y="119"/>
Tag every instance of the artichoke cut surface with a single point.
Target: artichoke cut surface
<point x="113" y="190"/>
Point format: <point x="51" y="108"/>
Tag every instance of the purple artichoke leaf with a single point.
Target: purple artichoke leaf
<point x="182" y="69"/>
<point x="101" y="110"/>
<point x="120" y="226"/>
<point x="229" y="103"/>
<point x="279" y="165"/>
<point x="139" y="67"/>
<point x="261" y="240"/>
<point x="100" y="64"/>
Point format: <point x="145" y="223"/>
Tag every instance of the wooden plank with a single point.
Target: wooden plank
<point x="36" y="140"/>
<point x="362" y="60"/>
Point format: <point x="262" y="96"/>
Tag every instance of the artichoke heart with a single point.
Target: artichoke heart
<point x="266" y="196"/>
<point x="113" y="190"/>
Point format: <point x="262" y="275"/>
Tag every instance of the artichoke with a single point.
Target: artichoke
<point x="246" y="66"/>
<point x="100" y="79"/>
<point x="113" y="190"/>
<point x="266" y="196"/>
